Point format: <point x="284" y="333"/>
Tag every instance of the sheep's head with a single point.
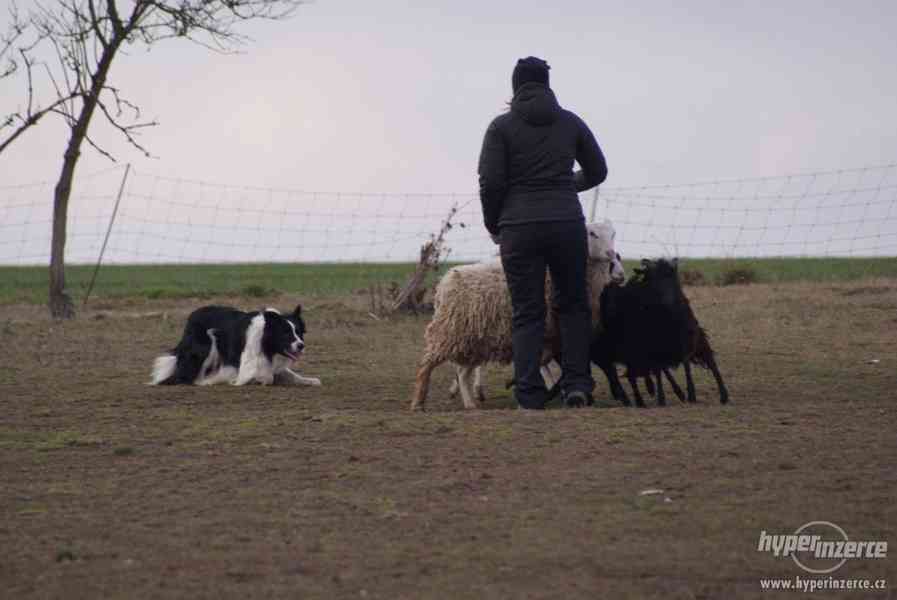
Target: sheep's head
<point x="662" y="277"/>
<point x="617" y="271"/>
<point x="658" y="269"/>
<point x="601" y="241"/>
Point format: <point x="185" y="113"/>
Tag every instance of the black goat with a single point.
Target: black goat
<point x="648" y="326"/>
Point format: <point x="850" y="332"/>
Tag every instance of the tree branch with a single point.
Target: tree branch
<point x="85" y="36"/>
<point x="126" y="130"/>
<point x="29" y="120"/>
<point x="95" y="21"/>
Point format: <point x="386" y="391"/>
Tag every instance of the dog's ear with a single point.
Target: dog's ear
<point x="298" y="312"/>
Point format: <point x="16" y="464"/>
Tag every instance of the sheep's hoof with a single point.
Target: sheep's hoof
<point x="577" y="400"/>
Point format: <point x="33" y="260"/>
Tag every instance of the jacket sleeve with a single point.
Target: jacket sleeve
<point x="493" y="170"/>
<point x="590" y="158"/>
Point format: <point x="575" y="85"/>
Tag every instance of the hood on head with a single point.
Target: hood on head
<point x="530" y="69"/>
<point x="536" y="104"/>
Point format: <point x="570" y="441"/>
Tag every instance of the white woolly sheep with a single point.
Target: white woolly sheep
<point x="471" y="381"/>
<point x="471" y="325"/>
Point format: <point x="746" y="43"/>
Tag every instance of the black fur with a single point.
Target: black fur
<point x="648" y="326"/>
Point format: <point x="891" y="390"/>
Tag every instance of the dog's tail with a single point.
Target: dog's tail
<point x="163" y="369"/>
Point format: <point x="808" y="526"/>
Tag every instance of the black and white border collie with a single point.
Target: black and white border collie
<point x="225" y="345"/>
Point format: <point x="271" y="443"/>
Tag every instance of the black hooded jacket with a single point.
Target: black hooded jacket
<point x="526" y="164"/>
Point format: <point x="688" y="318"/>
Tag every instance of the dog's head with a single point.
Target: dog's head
<point x="298" y="322"/>
<point x="284" y="334"/>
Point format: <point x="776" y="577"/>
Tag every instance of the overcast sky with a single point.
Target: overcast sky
<point x="395" y="96"/>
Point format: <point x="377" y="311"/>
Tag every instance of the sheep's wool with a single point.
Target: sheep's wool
<point x="472" y="299"/>
<point x="472" y="321"/>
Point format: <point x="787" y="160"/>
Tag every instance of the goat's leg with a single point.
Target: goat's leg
<point x="422" y="383"/>
<point x="689" y="382"/>
<point x="661" y="397"/>
<point x="633" y="383"/>
<point x="676" y="389"/>
<point x="613" y="380"/>
<point x="723" y="392"/>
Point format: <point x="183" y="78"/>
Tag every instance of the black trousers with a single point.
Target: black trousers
<point x="526" y="251"/>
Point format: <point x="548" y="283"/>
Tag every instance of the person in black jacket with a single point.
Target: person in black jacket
<point x="530" y="206"/>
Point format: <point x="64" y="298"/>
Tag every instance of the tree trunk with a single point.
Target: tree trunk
<point x="61" y="305"/>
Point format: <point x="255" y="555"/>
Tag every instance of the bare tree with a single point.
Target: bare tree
<point x="65" y="48"/>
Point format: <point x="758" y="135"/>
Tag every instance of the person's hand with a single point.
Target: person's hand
<point x="496" y="239"/>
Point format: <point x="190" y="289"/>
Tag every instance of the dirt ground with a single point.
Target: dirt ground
<point x="110" y="488"/>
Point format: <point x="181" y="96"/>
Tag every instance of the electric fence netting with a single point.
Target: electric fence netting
<point x="165" y="220"/>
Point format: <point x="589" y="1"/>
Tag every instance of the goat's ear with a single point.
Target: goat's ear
<point x="298" y="311"/>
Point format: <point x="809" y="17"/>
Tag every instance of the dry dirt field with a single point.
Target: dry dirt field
<point x="110" y="488"/>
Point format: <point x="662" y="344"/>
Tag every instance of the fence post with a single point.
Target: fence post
<point x="96" y="270"/>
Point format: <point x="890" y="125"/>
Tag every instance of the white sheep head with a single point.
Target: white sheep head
<point x="601" y="240"/>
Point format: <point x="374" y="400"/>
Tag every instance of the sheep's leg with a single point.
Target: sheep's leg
<point x="478" y="389"/>
<point x="676" y="389"/>
<point x="689" y="382"/>
<point x="464" y="386"/>
<point x="723" y="392"/>
<point x="548" y="373"/>
<point x="555" y="390"/>
<point x="661" y="397"/>
<point x="548" y="377"/>
<point x="633" y="383"/>
<point x="453" y="389"/>
<point x="613" y="380"/>
<point x="422" y="384"/>
<point x="649" y="385"/>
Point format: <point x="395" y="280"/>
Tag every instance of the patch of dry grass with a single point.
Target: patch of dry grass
<point x="339" y="491"/>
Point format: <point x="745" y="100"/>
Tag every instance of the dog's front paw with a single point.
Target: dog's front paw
<point x="314" y="381"/>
